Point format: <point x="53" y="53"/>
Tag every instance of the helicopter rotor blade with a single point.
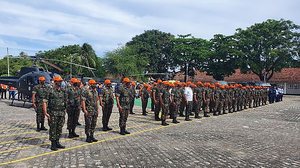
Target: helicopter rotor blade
<point x="52" y="65"/>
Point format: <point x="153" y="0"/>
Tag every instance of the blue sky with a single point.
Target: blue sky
<point x="34" y="25"/>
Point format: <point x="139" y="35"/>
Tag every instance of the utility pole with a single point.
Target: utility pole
<point x="71" y="65"/>
<point x="7" y="61"/>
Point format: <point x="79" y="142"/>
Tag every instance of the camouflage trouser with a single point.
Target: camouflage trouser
<point x="250" y="102"/>
<point x="73" y="116"/>
<point x="157" y="110"/>
<point x="206" y="105"/>
<point x="131" y="105"/>
<point x="90" y="124"/>
<point x="123" y="117"/>
<point x="188" y="110"/>
<point x="174" y="107"/>
<point x="234" y="105"/>
<point x="152" y="104"/>
<point x="197" y="106"/>
<point x="55" y="123"/>
<point x="238" y="104"/>
<point x="245" y="103"/>
<point x="165" y="112"/>
<point x="40" y="118"/>
<point x="182" y="107"/>
<point x="107" y="110"/>
<point x="219" y="107"/>
<point x="229" y="105"/>
<point x="144" y="105"/>
<point x="212" y="106"/>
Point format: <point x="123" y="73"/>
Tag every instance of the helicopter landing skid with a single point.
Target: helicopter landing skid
<point x="26" y="99"/>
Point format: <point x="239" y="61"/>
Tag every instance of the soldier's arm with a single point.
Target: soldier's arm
<point x="195" y="96"/>
<point x="83" y="105"/>
<point x="154" y="96"/>
<point x="33" y="100"/>
<point x="160" y="98"/>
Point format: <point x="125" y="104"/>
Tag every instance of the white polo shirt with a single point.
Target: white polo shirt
<point x="188" y="92"/>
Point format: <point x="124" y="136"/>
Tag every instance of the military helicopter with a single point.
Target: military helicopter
<point x="27" y="78"/>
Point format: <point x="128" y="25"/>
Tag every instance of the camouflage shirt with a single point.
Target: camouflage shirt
<point x="145" y="93"/>
<point x="90" y="96"/>
<point x="165" y="95"/>
<point x="56" y="99"/>
<point x="40" y="91"/>
<point x="73" y="96"/>
<point x="177" y="95"/>
<point x="107" y="95"/>
<point x="124" y="96"/>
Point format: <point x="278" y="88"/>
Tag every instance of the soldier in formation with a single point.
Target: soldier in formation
<point x="107" y="103"/>
<point x="39" y="93"/>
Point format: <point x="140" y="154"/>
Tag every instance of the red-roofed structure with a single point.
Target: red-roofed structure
<point x="288" y="78"/>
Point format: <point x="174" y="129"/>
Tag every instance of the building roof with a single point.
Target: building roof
<point x="287" y="75"/>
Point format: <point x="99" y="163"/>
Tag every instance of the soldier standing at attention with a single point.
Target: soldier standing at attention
<point x="206" y="99"/>
<point x="151" y="95"/>
<point x="174" y="107"/>
<point x="91" y="110"/>
<point x="156" y="94"/>
<point x="198" y="99"/>
<point x="132" y="96"/>
<point x="165" y="100"/>
<point x="144" y="98"/>
<point x="54" y="108"/>
<point x="73" y="106"/>
<point x="39" y="93"/>
<point x="123" y="103"/>
<point x="107" y="103"/>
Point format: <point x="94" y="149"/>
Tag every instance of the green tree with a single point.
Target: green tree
<point x="267" y="47"/>
<point x="124" y="61"/>
<point x="82" y="55"/>
<point x="156" y="47"/>
<point x="223" y="58"/>
<point x="189" y="53"/>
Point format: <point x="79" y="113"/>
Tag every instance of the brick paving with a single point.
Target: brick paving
<point x="268" y="136"/>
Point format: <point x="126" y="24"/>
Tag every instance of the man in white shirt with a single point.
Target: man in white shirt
<point x="188" y="94"/>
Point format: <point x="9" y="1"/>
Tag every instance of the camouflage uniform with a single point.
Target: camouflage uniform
<point x="132" y="98"/>
<point x="235" y="99"/>
<point x="73" y="109"/>
<point x="144" y="98"/>
<point x="56" y="99"/>
<point x="221" y="101"/>
<point x="107" y="97"/>
<point x="40" y="91"/>
<point x="217" y="94"/>
<point x="165" y="104"/>
<point x="206" y="101"/>
<point x="212" y="103"/>
<point x="175" y="104"/>
<point x="182" y="102"/>
<point x="156" y="93"/>
<point x="198" y="104"/>
<point x="90" y="97"/>
<point x="124" y="99"/>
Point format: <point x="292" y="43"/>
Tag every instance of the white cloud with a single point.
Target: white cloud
<point x="43" y="25"/>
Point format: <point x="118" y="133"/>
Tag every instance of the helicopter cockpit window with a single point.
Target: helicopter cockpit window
<point x="30" y="80"/>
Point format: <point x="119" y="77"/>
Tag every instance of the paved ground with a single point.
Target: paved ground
<point x="267" y="136"/>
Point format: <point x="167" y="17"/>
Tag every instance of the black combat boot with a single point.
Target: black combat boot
<point x="108" y="128"/>
<point x="78" y="123"/>
<point x="93" y="138"/>
<point x="70" y="134"/>
<point x="58" y="145"/>
<point x="38" y="128"/>
<point x="43" y="127"/>
<point x="122" y="131"/>
<point x="164" y="123"/>
<point x="74" y="134"/>
<point x="88" y="139"/>
<point x="104" y="128"/>
<point x="126" y="132"/>
<point x="197" y="115"/>
<point x="215" y="113"/>
<point x="53" y="146"/>
<point x="206" y="115"/>
<point x="175" y="121"/>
